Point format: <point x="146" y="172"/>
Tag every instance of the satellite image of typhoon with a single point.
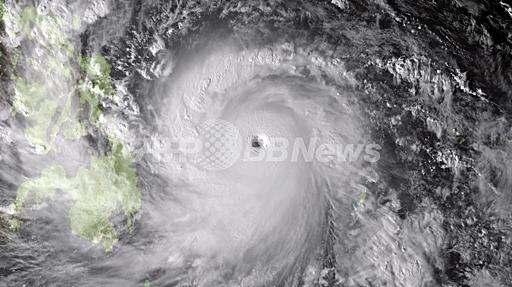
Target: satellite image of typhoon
<point x="256" y="143"/>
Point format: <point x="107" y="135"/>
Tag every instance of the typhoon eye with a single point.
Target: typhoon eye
<point x="260" y="141"/>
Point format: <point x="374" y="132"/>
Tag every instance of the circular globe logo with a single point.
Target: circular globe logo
<point x="221" y="145"/>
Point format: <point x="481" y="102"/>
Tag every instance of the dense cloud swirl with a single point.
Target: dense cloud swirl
<point x="256" y="143"/>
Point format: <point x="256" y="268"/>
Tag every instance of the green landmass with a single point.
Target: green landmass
<point x="32" y="97"/>
<point x="2" y="9"/>
<point x="109" y="186"/>
<point x="98" y="83"/>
